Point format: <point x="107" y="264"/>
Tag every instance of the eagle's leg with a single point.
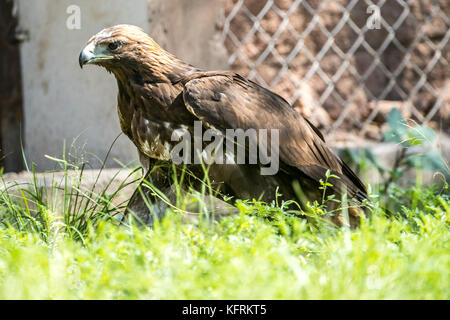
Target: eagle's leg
<point x="138" y="206"/>
<point x="144" y="205"/>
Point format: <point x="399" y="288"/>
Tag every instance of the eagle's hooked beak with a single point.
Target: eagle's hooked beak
<point x="92" y="54"/>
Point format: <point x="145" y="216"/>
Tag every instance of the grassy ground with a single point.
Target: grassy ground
<point x="75" y="250"/>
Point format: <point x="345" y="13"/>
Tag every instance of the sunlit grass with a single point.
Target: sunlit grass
<point x="77" y="250"/>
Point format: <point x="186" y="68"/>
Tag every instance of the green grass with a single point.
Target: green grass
<point x="77" y="250"/>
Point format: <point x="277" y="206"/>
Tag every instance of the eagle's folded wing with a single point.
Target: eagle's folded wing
<point x="225" y="100"/>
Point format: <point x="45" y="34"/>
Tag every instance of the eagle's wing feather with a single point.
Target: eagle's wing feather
<point x="226" y="100"/>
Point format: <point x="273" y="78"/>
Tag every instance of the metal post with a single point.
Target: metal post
<point x="11" y="110"/>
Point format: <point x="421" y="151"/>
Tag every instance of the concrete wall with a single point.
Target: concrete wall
<point x="63" y="102"/>
<point x="191" y="30"/>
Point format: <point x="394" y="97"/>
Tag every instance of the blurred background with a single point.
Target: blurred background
<point x="344" y="64"/>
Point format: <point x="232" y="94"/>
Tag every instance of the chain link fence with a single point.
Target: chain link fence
<point x="345" y="64"/>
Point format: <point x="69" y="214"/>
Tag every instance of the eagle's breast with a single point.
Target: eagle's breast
<point x="155" y="138"/>
<point x="146" y="117"/>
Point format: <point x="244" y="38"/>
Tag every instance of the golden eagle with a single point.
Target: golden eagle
<point x="159" y="94"/>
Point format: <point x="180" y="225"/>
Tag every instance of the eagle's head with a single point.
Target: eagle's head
<point x="123" y="49"/>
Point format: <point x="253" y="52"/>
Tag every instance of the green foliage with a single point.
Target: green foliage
<point x="405" y="135"/>
<point x="416" y="152"/>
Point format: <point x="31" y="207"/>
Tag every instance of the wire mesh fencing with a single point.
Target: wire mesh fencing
<point x="346" y="63"/>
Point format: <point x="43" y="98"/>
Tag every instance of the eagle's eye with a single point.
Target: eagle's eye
<point x="113" y="45"/>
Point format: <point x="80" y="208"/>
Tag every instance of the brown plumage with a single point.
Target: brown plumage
<point x="159" y="93"/>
